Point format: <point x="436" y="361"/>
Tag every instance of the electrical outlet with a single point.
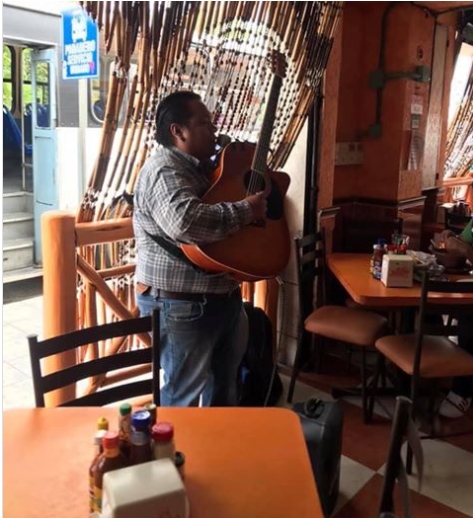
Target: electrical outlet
<point x="348" y="153"/>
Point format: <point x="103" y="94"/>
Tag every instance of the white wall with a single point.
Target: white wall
<point x="288" y="296"/>
<point x="68" y="163"/>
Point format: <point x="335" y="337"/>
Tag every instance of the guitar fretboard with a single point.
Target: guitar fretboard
<point x="262" y="147"/>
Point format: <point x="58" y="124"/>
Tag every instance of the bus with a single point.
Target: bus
<point x="51" y="130"/>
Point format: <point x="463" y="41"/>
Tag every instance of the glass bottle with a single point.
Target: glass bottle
<point x="378" y="252"/>
<point x="98" y="449"/>
<point x="163" y="441"/>
<point x="153" y="410"/>
<point x="124" y="428"/>
<point x="140" y="437"/>
<point x="372" y="260"/>
<point x="102" y="423"/>
<point x="110" y="460"/>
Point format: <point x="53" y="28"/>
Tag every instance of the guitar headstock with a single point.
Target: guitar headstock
<point x="278" y="63"/>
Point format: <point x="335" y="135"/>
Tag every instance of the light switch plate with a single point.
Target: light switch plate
<point x="348" y="153"/>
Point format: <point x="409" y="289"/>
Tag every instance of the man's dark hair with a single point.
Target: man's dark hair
<point x="173" y="109"/>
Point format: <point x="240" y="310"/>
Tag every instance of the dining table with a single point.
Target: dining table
<point x="240" y="462"/>
<point x="353" y="273"/>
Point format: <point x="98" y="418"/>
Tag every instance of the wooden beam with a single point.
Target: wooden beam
<point x="96" y="232"/>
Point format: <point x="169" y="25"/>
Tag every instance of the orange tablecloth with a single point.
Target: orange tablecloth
<point x="352" y="271"/>
<point x="240" y="462"/>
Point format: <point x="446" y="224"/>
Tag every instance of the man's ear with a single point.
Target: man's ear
<point x="176" y="132"/>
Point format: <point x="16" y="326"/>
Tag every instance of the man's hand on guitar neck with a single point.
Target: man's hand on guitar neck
<point x="259" y="206"/>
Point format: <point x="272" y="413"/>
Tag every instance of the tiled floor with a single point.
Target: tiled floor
<point x="448" y="471"/>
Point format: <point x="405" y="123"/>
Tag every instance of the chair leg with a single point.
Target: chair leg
<point x="409" y="459"/>
<point x="350" y="351"/>
<point x="414" y="390"/>
<point x="364" y="391"/>
<point x="383" y="373"/>
<point x="431" y="409"/>
<point x="295" y="369"/>
<point x="319" y="346"/>
<point x="380" y="366"/>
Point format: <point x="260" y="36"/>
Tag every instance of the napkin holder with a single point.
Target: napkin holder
<point x="149" y="490"/>
<point x="397" y="271"/>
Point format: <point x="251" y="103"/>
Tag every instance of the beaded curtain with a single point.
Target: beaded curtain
<point x="217" y="49"/>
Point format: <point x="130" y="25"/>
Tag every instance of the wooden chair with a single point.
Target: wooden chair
<point x="428" y="353"/>
<point x="395" y="468"/>
<point x="359" y="236"/>
<point x="456" y="222"/>
<point x="131" y="388"/>
<point x="352" y="326"/>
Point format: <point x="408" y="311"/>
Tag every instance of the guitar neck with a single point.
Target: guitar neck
<point x="262" y="147"/>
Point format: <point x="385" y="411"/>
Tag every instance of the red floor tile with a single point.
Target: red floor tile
<point x="365" y="443"/>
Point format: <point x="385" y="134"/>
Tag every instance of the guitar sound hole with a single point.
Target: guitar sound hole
<point x="275" y="200"/>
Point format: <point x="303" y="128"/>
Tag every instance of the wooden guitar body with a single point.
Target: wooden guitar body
<point x="254" y="252"/>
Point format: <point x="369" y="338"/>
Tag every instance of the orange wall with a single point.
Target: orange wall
<point x="409" y="42"/>
<point x="329" y="125"/>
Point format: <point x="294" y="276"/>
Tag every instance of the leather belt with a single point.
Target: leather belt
<point x="179" y="295"/>
<point x="198" y="297"/>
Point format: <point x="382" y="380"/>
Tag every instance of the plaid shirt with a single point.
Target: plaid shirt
<point x="167" y="202"/>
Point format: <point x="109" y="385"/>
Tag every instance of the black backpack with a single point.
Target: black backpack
<point x="259" y="381"/>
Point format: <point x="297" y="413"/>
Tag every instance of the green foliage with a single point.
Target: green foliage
<point x="7" y="64"/>
<point x="7" y="74"/>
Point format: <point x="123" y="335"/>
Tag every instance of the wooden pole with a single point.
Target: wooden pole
<point x="59" y="291"/>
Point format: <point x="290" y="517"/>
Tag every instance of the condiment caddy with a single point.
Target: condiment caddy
<point x="389" y="262"/>
<point x="136" y="471"/>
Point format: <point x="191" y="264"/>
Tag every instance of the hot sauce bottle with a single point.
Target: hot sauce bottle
<point x="98" y="450"/>
<point x="109" y="460"/>
<point x="124" y="428"/>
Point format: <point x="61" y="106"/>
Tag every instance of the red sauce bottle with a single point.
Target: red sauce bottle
<point x="109" y="460"/>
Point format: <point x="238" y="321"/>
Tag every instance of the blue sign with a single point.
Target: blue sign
<point x="80" y="45"/>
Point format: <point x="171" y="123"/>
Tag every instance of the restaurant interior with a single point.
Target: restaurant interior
<point x="369" y="322"/>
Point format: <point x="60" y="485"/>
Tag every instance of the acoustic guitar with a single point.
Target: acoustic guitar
<point x="260" y="250"/>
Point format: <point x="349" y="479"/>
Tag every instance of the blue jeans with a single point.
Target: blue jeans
<point x="202" y="345"/>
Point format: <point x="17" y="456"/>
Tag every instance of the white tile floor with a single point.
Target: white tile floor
<point x="446" y="469"/>
<point x="21" y="317"/>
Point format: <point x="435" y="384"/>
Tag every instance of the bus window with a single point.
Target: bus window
<point x="42" y="90"/>
<point x="8" y="90"/>
<point x="27" y="88"/>
<point x="43" y="112"/>
<point x="98" y="91"/>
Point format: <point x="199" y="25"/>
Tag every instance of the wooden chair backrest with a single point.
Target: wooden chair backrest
<point x="310" y="262"/>
<point x="59" y="344"/>
<point x="456" y="222"/>
<point x="429" y="309"/>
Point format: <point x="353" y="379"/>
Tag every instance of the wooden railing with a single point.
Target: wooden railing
<point x="67" y="264"/>
<point x="63" y="267"/>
